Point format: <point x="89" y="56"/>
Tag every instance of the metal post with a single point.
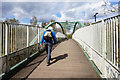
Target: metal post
<point x="7" y="47"/>
<point x="28" y="41"/>
<point x="117" y="42"/>
<point x="105" y="39"/>
<point x="38" y="46"/>
<point x="15" y="37"/>
<point x="109" y="54"/>
<point x="1" y="49"/>
<point x="111" y="38"/>
<point x="114" y="41"/>
<point x="27" y="36"/>
<point x="103" y="47"/>
<point x="1" y="39"/>
<point x="38" y="35"/>
<point x="95" y="16"/>
<point x="91" y="28"/>
<point x="11" y="39"/>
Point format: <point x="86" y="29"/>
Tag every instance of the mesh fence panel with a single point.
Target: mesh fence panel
<point x="19" y="41"/>
<point x="33" y="31"/>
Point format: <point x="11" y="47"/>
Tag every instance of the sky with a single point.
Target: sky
<point x="58" y="10"/>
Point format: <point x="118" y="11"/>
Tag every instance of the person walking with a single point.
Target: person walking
<point x="48" y="38"/>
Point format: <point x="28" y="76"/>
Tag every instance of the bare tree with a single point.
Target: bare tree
<point x="66" y="21"/>
<point x="14" y="21"/>
<point x="33" y="21"/>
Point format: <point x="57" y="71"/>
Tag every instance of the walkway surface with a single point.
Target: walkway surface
<point x="68" y="61"/>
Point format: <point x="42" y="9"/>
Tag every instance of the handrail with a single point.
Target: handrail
<point x="101" y="41"/>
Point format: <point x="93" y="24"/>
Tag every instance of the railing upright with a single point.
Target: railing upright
<point x="27" y="36"/>
<point x="7" y="48"/>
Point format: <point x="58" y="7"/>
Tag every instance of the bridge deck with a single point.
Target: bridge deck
<point x="68" y="61"/>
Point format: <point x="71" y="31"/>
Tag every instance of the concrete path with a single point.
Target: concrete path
<point x="68" y="61"/>
<point x="24" y="72"/>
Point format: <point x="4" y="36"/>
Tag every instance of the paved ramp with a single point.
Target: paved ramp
<point x="68" y="61"/>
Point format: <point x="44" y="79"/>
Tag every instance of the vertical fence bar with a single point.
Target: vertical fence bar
<point x="111" y="46"/>
<point x="3" y="39"/>
<point x="38" y="38"/>
<point x="104" y="44"/>
<point x="109" y="41"/>
<point x="6" y="38"/>
<point x="7" y="50"/>
<point x="117" y="41"/>
<point x="106" y="39"/>
<point x="27" y="36"/>
<point x="114" y="40"/>
<point x="103" y="38"/>
<point x="0" y="39"/>
<point x="11" y="39"/>
<point x="38" y="34"/>
<point x="22" y="36"/>
<point x="1" y="61"/>
<point x="28" y="41"/>
<point x="15" y="37"/>
<point x="102" y="34"/>
<point x="91" y="58"/>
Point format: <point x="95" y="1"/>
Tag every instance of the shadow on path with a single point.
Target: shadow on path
<point x="60" y="57"/>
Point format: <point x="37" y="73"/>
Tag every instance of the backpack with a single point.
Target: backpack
<point x="48" y="36"/>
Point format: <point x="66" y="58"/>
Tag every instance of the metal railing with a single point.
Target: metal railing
<point x="101" y="40"/>
<point x="17" y="43"/>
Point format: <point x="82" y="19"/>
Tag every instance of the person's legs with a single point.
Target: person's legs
<point x="49" y="52"/>
<point x="46" y="48"/>
<point x="50" y="49"/>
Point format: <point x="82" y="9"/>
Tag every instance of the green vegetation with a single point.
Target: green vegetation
<point x="69" y="36"/>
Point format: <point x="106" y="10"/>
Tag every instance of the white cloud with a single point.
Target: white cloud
<point x="57" y="0"/>
<point x="76" y="13"/>
<point x="0" y="10"/>
<point x="19" y="13"/>
<point x="45" y="11"/>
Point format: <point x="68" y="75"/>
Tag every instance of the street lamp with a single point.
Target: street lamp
<point x="95" y="16"/>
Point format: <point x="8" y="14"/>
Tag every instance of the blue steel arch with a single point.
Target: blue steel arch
<point x="55" y="23"/>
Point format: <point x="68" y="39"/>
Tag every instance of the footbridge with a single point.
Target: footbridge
<point x="93" y="52"/>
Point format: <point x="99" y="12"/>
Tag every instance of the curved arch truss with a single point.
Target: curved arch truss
<point x="55" y="23"/>
<point x="81" y="25"/>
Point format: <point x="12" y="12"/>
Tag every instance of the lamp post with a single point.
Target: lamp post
<point x="95" y="16"/>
